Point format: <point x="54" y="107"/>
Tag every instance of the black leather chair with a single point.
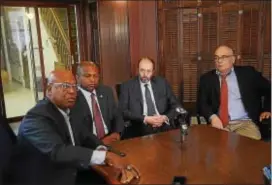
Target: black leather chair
<point x="127" y="131"/>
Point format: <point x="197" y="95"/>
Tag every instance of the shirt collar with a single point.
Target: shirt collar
<point x="143" y="84"/>
<point x="87" y="93"/>
<point x="64" y="112"/>
<point x="219" y="74"/>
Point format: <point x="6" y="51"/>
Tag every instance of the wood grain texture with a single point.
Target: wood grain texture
<point x="142" y="32"/>
<point x="209" y="156"/>
<point x="114" y="42"/>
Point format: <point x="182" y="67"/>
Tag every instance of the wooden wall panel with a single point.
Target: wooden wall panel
<point x="229" y="25"/>
<point x="171" y="60"/>
<point x="142" y="31"/>
<point x="189" y="35"/>
<point x="189" y="32"/>
<point x="250" y="34"/>
<point x="266" y="41"/>
<point x="114" y="41"/>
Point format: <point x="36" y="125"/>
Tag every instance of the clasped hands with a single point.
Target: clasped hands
<point x="156" y="120"/>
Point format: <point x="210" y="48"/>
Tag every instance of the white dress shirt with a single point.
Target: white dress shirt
<point x="98" y="157"/>
<point x="88" y="98"/>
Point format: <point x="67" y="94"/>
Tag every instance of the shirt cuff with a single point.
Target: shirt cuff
<point x="102" y="147"/>
<point x="167" y="121"/>
<point x="144" y="120"/>
<point x="98" y="157"/>
<point x="210" y="118"/>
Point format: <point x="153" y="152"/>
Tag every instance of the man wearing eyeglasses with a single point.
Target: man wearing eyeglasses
<point x="147" y="101"/>
<point x="95" y="105"/>
<point x="230" y="96"/>
<point x="53" y="148"/>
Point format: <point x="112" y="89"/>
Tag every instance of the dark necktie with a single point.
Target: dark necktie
<point x="223" y="112"/>
<point x="97" y="118"/>
<point x="150" y="104"/>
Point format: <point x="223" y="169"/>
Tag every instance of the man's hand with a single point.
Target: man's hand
<point x="115" y="161"/>
<point x="265" y="115"/>
<point x="107" y="140"/>
<point x="154" y="121"/>
<point x="216" y="122"/>
<point x="162" y="119"/>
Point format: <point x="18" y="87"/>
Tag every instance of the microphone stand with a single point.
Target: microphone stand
<point x="183" y="126"/>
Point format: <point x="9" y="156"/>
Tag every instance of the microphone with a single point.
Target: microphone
<point x="181" y="110"/>
<point x="181" y="119"/>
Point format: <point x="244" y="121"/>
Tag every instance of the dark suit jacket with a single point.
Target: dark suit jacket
<point x="7" y="143"/>
<point x="131" y="102"/>
<point x="45" y="145"/>
<point x="112" y="118"/>
<point x="252" y="87"/>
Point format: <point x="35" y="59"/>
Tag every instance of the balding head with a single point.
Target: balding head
<point x="224" y="59"/>
<point x="88" y="75"/>
<point x="59" y="75"/>
<point x="146" y="69"/>
<point x="61" y="88"/>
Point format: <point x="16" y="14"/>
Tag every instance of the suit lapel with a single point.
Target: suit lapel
<point x="217" y="84"/>
<point x="101" y="101"/>
<point x="60" y="121"/>
<point x="83" y="102"/>
<point x="138" y="92"/>
<point x="155" y="88"/>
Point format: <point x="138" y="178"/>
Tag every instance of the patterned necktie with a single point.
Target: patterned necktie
<point x="97" y="118"/>
<point x="150" y="104"/>
<point x="223" y="111"/>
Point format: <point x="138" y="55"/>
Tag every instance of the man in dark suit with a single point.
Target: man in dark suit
<point x="147" y="101"/>
<point x="229" y="97"/>
<point x="52" y="146"/>
<point x="95" y="106"/>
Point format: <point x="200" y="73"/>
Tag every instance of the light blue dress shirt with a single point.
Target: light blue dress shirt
<point x="235" y="105"/>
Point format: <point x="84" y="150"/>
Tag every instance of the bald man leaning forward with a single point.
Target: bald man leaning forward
<point x="230" y="96"/>
<point x="53" y="148"/>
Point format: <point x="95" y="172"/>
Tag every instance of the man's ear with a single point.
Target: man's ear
<point x="49" y="90"/>
<point x="234" y="59"/>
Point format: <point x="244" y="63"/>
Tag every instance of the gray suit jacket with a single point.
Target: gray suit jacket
<point x="131" y="102"/>
<point x="45" y="145"/>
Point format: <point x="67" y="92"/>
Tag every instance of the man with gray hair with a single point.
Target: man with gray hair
<point x="230" y="96"/>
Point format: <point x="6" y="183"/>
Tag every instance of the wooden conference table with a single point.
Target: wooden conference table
<point x="209" y="156"/>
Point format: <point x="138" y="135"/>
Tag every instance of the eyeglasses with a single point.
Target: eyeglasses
<point x="223" y="57"/>
<point x="66" y="86"/>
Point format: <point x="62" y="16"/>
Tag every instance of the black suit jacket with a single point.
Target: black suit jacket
<point x="45" y="145"/>
<point x="131" y="102"/>
<point x="112" y="118"/>
<point x="7" y="143"/>
<point x="252" y="87"/>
